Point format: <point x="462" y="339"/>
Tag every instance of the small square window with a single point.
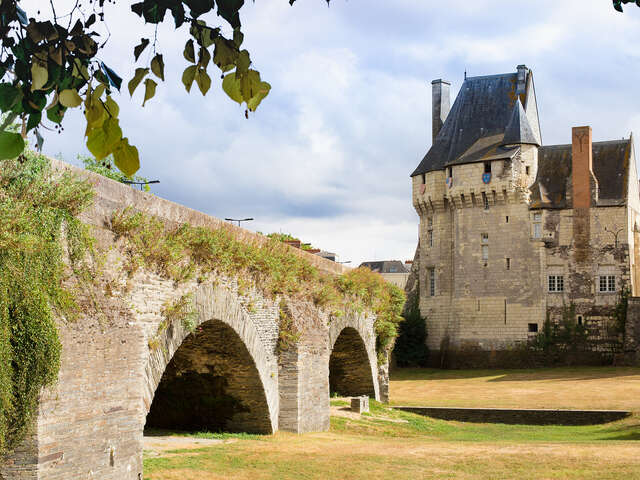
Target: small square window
<point x="508" y="264"/>
<point x="485" y="238"/>
<point x="507" y="219"/>
<point x="485" y="201"/>
<point x="487" y="167"/>
<point x="526" y="169"/>
<point x="607" y="283"/>
<point x="485" y="252"/>
<point x="533" y="328"/>
<point x="556" y="283"/>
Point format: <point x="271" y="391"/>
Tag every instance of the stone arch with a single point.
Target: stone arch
<point x="221" y="376"/>
<point x="353" y="367"/>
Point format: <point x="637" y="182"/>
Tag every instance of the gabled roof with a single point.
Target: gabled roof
<point x="386" y="266"/>
<point x="610" y="167"/>
<point x="482" y="111"/>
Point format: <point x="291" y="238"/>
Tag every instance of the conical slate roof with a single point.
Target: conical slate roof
<point x="519" y="130"/>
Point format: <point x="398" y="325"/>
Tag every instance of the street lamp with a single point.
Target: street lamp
<point x="238" y="220"/>
<point x="348" y="261"/>
<point x="131" y="182"/>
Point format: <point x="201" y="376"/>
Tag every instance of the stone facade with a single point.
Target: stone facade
<point x="513" y="232"/>
<point x="119" y="371"/>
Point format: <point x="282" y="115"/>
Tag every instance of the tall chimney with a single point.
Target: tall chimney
<point x="582" y="179"/>
<point x="441" y="104"/>
<point x="521" y="87"/>
<point x="582" y="166"/>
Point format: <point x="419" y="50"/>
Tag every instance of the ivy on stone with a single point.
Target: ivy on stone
<point x="38" y="210"/>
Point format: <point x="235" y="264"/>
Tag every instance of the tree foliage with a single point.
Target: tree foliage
<point x="617" y="4"/>
<point x="48" y="67"/>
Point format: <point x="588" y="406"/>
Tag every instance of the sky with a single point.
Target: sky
<point x="328" y="154"/>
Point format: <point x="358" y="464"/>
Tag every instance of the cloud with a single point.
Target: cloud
<point x="328" y="154"/>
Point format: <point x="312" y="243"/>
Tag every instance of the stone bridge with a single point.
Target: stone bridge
<point x="121" y="373"/>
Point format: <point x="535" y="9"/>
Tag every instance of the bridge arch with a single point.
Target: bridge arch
<point x="219" y="377"/>
<point x="353" y="367"/>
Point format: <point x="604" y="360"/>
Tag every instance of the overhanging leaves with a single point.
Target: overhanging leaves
<point x="137" y="78"/>
<point x="149" y="90"/>
<point x="11" y="145"/>
<point x="138" y="49"/>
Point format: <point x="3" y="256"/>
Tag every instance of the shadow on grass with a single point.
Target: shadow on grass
<point x="502" y="375"/>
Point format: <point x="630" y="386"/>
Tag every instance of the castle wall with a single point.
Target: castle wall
<point x="495" y="299"/>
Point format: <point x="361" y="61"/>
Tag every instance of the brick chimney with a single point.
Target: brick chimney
<point x="584" y="188"/>
<point x="581" y="166"/>
<point x="441" y="104"/>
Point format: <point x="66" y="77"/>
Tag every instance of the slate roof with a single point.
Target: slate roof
<point x="610" y="167"/>
<point x="519" y="130"/>
<point x="486" y="116"/>
<point x="386" y="266"/>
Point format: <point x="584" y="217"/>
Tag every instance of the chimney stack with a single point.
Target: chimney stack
<point x="523" y="71"/>
<point x="582" y="166"/>
<point x="441" y="104"/>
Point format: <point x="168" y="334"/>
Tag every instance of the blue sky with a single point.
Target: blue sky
<point x="328" y="154"/>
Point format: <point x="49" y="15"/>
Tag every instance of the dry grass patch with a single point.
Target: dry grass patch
<point x="606" y="388"/>
<point x="380" y="447"/>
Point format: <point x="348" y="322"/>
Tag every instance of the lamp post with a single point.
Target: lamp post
<point x="348" y="261"/>
<point x="238" y="220"/>
<point x="131" y="182"/>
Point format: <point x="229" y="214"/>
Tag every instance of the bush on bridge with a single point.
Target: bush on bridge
<point x="180" y="252"/>
<point x="38" y="230"/>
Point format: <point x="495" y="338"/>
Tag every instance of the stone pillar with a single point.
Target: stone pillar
<point x="441" y="104"/>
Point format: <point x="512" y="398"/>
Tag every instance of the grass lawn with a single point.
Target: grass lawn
<point x="395" y="445"/>
<point x="608" y="388"/>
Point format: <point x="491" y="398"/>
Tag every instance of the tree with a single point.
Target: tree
<point x="617" y="4"/>
<point x="48" y="67"/>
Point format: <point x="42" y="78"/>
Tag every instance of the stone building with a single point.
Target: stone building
<point x="512" y="231"/>
<point x="393" y="271"/>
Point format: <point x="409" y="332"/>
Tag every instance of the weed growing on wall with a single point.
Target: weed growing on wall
<point x="183" y="251"/>
<point x="39" y="229"/>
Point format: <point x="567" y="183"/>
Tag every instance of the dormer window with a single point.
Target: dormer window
<point x="487" y="167"/>
<point x="450" y="172"/>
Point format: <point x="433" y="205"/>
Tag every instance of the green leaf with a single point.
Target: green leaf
<point x="157" y="66"/>
<point x="9" y="96"/>
<point x="11" y="145"/>
<point x="103" y="141"/>
<point x="224" y="55"/>
<point x="34" y="120"/>
<point x="39" y="76"/>
<point x="249" y="84"/>
<point x="263" y="91"/>
<point x="189" y="53"/>
<point x="203" y="80"/>
<point x="56" y="113"/>
<point x="198" y="7"/>
<point x="69" y="98"/>
<point x="238" y="37"/>
<point x="137" y="51"/>
<point x="243" y="62"/>
<point x="204" y="57"/>
<point x="228" y="9"/>
<point x="204" y="35"/>
<point x="231" y="86"/>
<point x="126" y="158"/>
<point x="149" y="90"/>
<point x="112" y="107"/>
<point x="137" y="78"/>
<point x="189" y="76"/>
